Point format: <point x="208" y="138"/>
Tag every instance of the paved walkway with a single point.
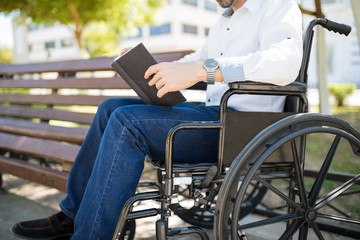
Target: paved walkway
<point x="24" y="200"/>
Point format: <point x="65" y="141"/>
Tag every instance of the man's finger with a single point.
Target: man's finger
<point x="162" y="92"/>
<point x="125" y="50"/>
<point x="155" y="79"/>
<point x="159" y="84"/>
<point x="151" y="71"/>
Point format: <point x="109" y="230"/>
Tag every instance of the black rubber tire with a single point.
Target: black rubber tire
<point x="305" y="202"/>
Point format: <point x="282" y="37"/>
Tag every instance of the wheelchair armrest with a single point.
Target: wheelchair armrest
<point x="294" y="87"/>
<point x="296" y="90"/>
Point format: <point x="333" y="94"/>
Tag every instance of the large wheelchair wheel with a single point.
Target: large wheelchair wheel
<point x="309" y="203"/>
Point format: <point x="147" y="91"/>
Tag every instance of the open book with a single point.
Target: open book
<point x="132" y="67"/>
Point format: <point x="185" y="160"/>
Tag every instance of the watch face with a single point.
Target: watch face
<point x="211" y="63"/>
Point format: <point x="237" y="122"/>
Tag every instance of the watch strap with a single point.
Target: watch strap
<point x="210" y="77"/>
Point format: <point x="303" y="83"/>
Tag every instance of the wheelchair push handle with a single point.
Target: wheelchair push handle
<point x="335" y="27"/>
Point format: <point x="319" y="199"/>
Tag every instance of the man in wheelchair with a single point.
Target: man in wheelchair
<point x="254" y="40"/>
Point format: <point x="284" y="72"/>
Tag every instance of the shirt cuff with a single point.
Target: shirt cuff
<point x="231" y="71"/>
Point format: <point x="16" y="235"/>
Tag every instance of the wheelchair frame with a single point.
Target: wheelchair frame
<point x="221" y="178"/>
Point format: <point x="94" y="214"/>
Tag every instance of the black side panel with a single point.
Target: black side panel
<point x="242" y="127"/>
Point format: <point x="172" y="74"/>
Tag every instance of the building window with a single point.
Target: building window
<point x="190" y="2"/>
<point x="355" y="53"/>
<point x="67" y="42"/>
<point x="33" y="27"/>
<point x="160" y="30"/>
<point x="329" y="1"/>
<point x="207" y="31"/>
<point x="49" y="45"/>
<point x="48" y="25"/>
<point x="210" y="5"/>
<point x="190" y="29"/>
<point x="35" y="47"/>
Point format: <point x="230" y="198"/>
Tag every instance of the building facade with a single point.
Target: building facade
<point x="41" y="43"/>
<point x="179" y="25"/>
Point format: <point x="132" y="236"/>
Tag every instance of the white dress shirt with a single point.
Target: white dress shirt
<point x="262" y="42"/>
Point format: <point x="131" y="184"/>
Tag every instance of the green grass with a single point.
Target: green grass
<point x="318" y="144"/>
<point x="345" y="161"/>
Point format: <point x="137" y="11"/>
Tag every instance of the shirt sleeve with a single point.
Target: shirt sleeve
<point x="279" y="57"/>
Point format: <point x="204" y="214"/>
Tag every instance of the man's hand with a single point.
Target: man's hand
<point x="174" y="76"/>
<point x="125" y="50"/>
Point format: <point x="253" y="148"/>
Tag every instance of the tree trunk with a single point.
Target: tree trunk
<point x="78" y="28"/>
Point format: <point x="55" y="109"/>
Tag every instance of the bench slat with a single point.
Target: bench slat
<point x="47" y="149"/>
<point x="71" y="83"/>
<point x="83" y="100"/>
<point x="42" y="175"/>
<point x="43" y="130"/>
<point x="93" y="64"/>
<point x="169" y="57"/>
<point x="46" y="114"/>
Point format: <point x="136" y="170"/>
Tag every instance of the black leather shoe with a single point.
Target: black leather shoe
<point x="57" y="226"/>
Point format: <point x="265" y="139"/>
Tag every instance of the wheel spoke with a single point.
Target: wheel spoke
<point x="339" y="218"/>
<point x="299" y="175"/>
<point x="315" y="190"/>
<point x="303" y="232"/>
<point x="336" y="192"/>
<point x="242" y="235"/>
<point x="352" y="192"/>
<point x="273" y="220"/>
<point x="302" y="150"/>
<point x="338" y="210"/>
<point x="279" y="193"/>
<point x="290" y="231"/>
<point x="316" y="229"/>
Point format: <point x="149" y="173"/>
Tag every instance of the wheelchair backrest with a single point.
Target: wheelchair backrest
<point x="242" y="127"/>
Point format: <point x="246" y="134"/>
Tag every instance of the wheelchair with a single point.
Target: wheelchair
<point x="267" y="159"/>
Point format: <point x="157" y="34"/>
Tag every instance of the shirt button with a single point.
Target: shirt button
<point x="221" y="54"/>
<point x="227" y="29"/>
<point x="209" y="100"/>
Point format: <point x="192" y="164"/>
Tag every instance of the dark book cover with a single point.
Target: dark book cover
<point x="132" y="67"/>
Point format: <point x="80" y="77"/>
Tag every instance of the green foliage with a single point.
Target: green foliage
<point x="340" y="91"/>
<point x="5" y="55"/>
<point x="100" y="40"/>
<point x="119" y="12"/>
<point x="119" y="15"/>
<point x="15" y="90"/>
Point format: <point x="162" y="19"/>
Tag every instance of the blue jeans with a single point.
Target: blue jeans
<point x="108" y="166"/>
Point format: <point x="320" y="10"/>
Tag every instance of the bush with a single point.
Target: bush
<point x="5" y="55"/>
<point x="340" y="91"/>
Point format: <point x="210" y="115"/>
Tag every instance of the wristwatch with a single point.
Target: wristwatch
<point x="211" y="65"/>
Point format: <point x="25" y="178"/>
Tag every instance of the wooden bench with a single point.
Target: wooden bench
<point x="34" y="98"/>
